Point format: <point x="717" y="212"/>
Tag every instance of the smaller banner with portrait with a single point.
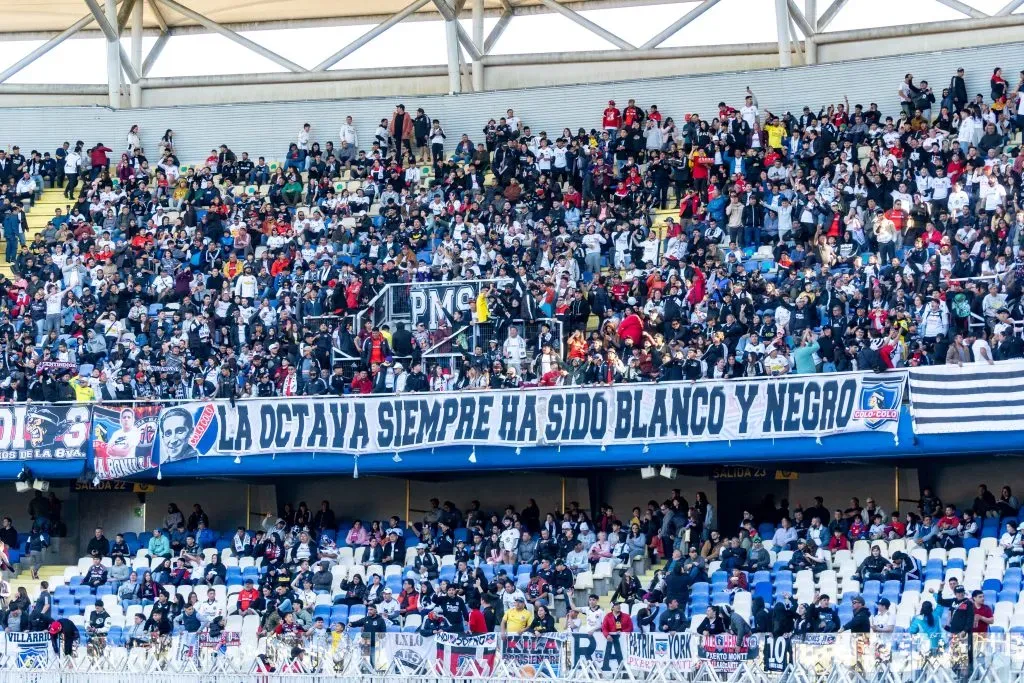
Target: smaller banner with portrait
<point x="123" y="438"/>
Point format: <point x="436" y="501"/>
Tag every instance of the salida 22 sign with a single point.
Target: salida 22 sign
<point x="806" y="406"/>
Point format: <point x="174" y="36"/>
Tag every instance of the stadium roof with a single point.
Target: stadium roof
<point x="41" y="16"/>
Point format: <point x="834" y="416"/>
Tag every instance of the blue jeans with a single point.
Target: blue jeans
<point x="11" y="252"/>
<point x="259" y="177"/>
<point x="751" y="236"/>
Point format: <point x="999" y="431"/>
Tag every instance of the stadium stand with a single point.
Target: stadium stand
<point x="843" y="239"/>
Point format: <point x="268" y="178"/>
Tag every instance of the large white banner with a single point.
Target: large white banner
<point x="976" y="397"/>
<point x="27" y="649"/>
<point x="800" y="406"/>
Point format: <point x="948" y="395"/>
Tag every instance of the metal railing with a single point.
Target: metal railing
<point x="840" y="658"/>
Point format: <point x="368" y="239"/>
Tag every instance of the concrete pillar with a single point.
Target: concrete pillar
<point x="113" y="59"/>
<point x="451" y="31"/>
<point x="478" y="40"/>
<point x="782" y="22"/>
<point x="136" y="53"/>
<point x="811" y="44"/>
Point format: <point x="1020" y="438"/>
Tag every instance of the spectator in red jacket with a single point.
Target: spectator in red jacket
<point x="632" y="327"/>
<point x="612" y="119"/>
<point x="98" y="157"/>
<point x="616" y="622"/>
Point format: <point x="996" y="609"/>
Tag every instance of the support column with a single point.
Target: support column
<point x="478" y="40"/>
<point x="136" y="54"/>
<point x="811" y="42"/>
<point x="451" y="31"/>
<point x="113" y="58"/>
<point x="782" y="22"/>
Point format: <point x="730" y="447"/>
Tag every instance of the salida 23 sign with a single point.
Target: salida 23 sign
<point x="805" y="406"/>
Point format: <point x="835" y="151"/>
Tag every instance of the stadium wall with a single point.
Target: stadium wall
<point x="267" y="128"/>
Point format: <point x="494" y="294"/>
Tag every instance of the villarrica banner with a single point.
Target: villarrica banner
<point x="799" y="406"/>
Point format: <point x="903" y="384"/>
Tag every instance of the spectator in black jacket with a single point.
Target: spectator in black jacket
<point x="961" y="619"/>
<point x="860" y="622"/>
<point x="98" y="546"/>
<point x="372" y="622"/>
<point x="673" y="620"/>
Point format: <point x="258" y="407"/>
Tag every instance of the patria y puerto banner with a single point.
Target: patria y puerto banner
<point x="802" y="406"/>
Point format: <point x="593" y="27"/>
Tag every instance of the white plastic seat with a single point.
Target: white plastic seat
<point x="584" y="581"/>
<point x="937" y="554"/>
<point x="112" y="605"/>
<point x="447" y="560"/>
<point x="988" y="544"/>
<point x="244" y="562"/>
<point x="413" y="621"/>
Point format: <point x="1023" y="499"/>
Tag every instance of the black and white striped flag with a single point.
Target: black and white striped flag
<point x="977" y="397"/>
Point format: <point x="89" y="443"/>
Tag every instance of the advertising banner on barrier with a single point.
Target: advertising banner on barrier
<point x="976" y="397"/>
<point x="804" y="406"/>
<point x="683" y="651"/>
<point x="28" y="649"/>
<point x="461" y="654"/>
<point x="43" y="432"/>
<point x="532" y="654"/>
<point x="123" y="439"/>
<point x="409" y="650"/>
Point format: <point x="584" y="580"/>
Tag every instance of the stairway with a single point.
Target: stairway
<point x="38" y="216"/>
<point x="53" y="574"/>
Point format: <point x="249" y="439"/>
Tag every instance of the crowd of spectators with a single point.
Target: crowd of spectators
<point x="811" y="240"/>
<point x="518" y="570"/>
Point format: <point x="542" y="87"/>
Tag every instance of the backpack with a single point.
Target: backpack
<point x="961" y="308"/>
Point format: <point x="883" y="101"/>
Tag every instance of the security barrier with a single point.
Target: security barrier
<point x="831" y="658"/>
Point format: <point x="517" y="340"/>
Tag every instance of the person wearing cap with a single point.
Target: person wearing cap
<point x="517" y="619"/>
<point x="883" y="621"/>
<point x="388" y="607"/>
<point x="616" y="622"/>
<point x="434" y="622"/>
<point x="372" y="622"/>
<point x="63" y="636"/>
<point x="860" y="621"/>
<point x="961" y="619"/>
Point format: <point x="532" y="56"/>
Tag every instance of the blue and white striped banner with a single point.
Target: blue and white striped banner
<point x="975" y="397"/>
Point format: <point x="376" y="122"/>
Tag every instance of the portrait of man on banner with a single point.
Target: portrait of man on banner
<point x="123" y="439"/>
